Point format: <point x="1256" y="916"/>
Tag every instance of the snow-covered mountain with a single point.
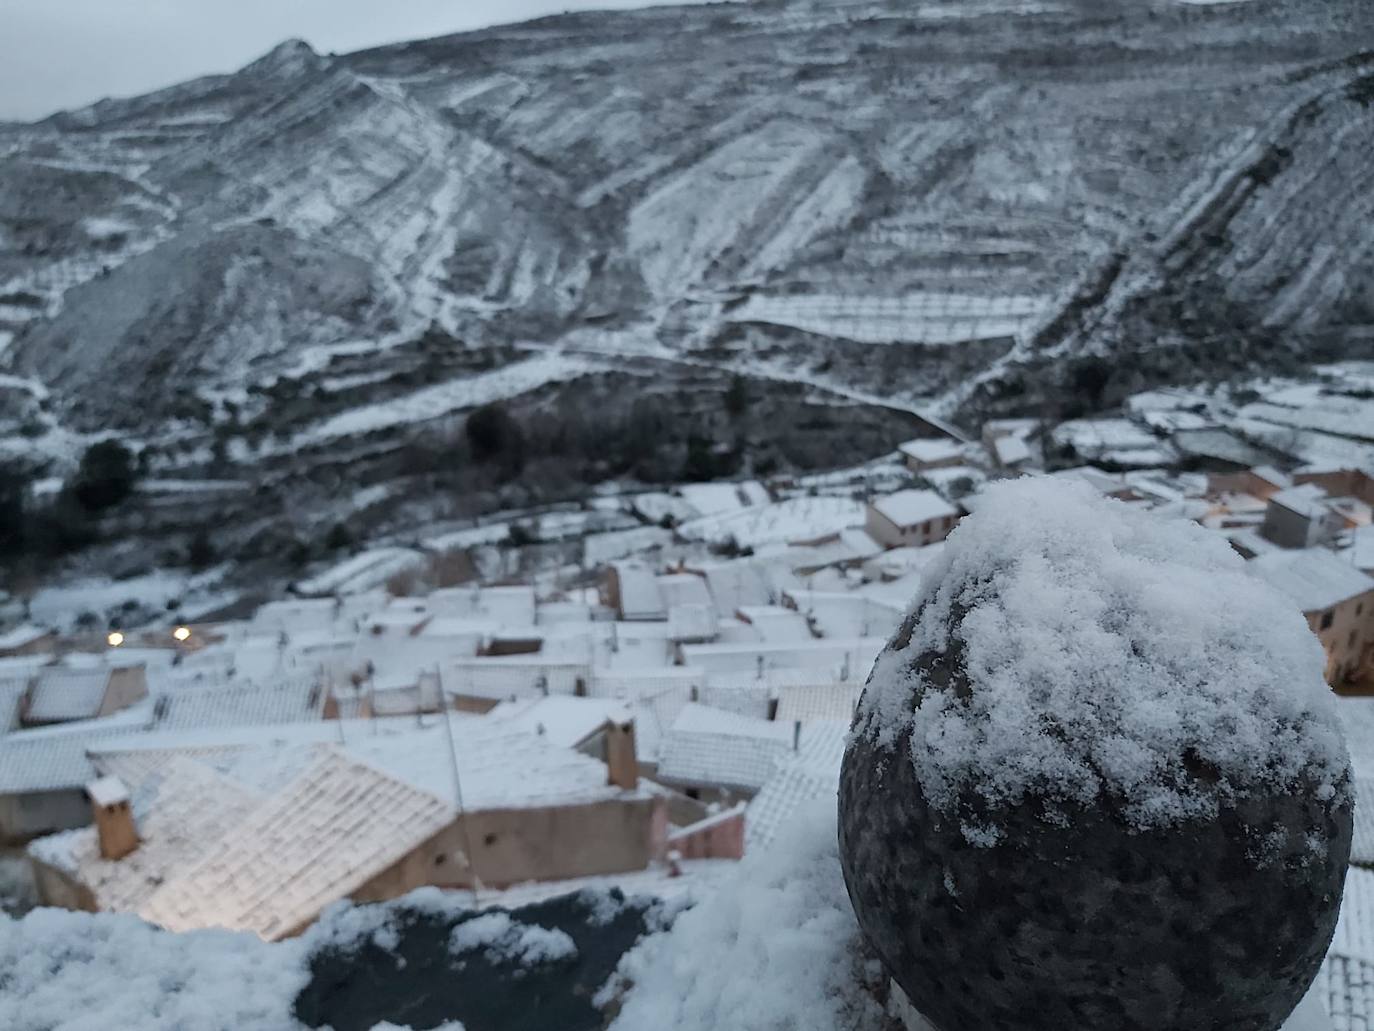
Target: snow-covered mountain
<point x="958" y="206"/>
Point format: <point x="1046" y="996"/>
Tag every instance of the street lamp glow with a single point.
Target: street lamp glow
<point x="182" y="633"/>
<point x="114" y="639"/>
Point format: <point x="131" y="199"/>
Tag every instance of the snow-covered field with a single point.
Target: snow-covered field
<point x="914" y="318"/>
<point x="61" y="606"/>
<point x="445" y="398"/>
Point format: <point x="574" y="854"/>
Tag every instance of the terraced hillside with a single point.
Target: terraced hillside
<point x="953" y="206"/>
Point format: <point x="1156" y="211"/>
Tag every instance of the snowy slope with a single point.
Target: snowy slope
<point x="777" y="189"/>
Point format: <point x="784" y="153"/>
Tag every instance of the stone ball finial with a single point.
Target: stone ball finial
<point x="1096" y="780"/>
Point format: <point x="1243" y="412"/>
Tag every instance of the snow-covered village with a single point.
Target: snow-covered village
<point x="645" y="718"/>
<point x="625" y="515"/>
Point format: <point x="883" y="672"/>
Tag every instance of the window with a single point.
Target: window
<point x="1353" y="635"/>
<point x="1328" y="618"/>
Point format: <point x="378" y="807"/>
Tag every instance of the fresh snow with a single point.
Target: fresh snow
<point x="81" y="972"/>
<point x="782" y="522"/>
<point x="925" y="318"/>
<point x="507" y="939"/>
<point x="444" y="398"/>
<point x="777" y="948"/>
<point x="1103" y="645"/>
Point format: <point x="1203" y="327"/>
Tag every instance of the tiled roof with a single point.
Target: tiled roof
<point x="499" y="768"/>
<point x="778" y="801"/>
<point x="912" y="507"/>
<point x="181" y="812"/>
<point x="1362" y="847"/>
<point x="1306" y="499"/>
<point x="318" y="839"/>
<point x="1347" y="987"/>
<point x="239" y="705"/>
<point x="692" y="622"/>
<point x="831" y="655"/>
<point x="683" y="589"/>
<point x="806" y="702"/>
<point x="639" y="591"/>
<point x="747" y="699"/>
<point x="32" y="761"/>
<point x="931" y="450"/>
<point x="843" y="614"/>
<point x="654" y="714"/>
<point x="1313" y="577"/>
<point x="517" y="677"/>
<point x="735" y="583"/>
<point x="1354" y="936"/>
<point x="714" y="747"/>
<point x="60" y="695"/>
<point x="11" y="690"/>
<point x="561" y="720"/>
<point x="776" y="624"/>
<point x="812" y="772"/>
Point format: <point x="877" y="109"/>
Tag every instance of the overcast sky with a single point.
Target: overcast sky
<point x="57" y="54"/>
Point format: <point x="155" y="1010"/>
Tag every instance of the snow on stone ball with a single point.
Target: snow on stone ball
<point x="1096" y="779"/>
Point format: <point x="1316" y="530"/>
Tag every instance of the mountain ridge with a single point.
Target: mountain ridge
<point x="760" y="187"/>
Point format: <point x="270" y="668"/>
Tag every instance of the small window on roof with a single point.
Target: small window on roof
<point x="1328" y="618"/>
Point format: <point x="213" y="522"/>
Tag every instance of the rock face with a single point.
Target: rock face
<point x="1021" y="864"/>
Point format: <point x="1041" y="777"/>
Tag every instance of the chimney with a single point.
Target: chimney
<point x="796" y="735"/>
<point x="622" y="765"/>
<point x="114" y="818"/>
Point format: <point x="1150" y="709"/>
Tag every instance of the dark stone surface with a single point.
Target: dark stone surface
<point x="420" y="984"/>
<point x="1089" y="926"/>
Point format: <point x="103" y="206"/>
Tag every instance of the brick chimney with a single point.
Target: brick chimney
<point x="114" y="817"/>
<point x="622" y="765"/>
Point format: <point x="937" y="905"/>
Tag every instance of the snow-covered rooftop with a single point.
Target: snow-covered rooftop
<point x="639" y="593"/>
<point x="561" y="720"/>
<point x="707" y="745"/>
<point x="935" y="449"/>
<point x="287" y="700"/>
<point x="1306" y="499"/>
<point x="60" y="694"/>
<point x="913" y="507"/>
<point x="182" y="811"/>
<point x="1011" y="450"/>
<point x="315" y="841"/>
<point x="32" y="761"/>
<point x="500" y="768"/>
<point x="1314" y="578"/>
<point x="22" y="635"/>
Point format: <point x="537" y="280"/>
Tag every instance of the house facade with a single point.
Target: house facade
<point x="910" y="518"/>
<point x="1337" y="600"/>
